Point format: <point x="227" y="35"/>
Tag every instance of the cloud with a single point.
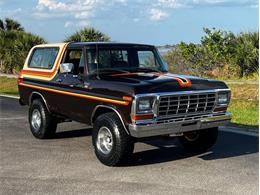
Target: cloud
<point x="204" y="3"/>
<point x="160" y="9"/>
<point x="68" y="24"/>
<point x="12" y="12"/>
<point x="81" y="10"/>
<point x="157" y="14"/>
<point x="155" y="10"/>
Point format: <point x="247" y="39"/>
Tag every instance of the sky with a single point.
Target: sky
<point x="156" y="22"/>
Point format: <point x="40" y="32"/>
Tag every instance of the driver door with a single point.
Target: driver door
<point x="73" y="83"/>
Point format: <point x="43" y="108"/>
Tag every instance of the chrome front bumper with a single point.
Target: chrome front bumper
<point x="154" y="129"/>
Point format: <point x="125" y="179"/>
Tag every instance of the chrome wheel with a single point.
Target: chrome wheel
<point x="192" y="136"/>
<point x="36" y="119"/>
<point x="104" y="140"/>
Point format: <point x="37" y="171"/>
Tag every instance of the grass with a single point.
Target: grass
<point x="244" y="104"/>
<point x="8" y="86"/>
<point x="249" y="92"/>
<point x="244" y="112"/>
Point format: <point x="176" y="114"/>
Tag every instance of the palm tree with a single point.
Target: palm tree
<point x="88" y="35"/>
<point x="10" y="25"/>
<point x="1" y="25"/>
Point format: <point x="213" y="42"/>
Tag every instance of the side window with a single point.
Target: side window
<point x="91" y="60"/>
<point x="76" y="58"/>
<point x="146" y="59"/>
<point x="43" y="58"/>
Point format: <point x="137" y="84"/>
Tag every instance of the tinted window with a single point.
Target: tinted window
<point x="76" y="58"/>
<point x="43" y="58"/>
<point x="146" y="59"/>
<point x="108" y="59"/>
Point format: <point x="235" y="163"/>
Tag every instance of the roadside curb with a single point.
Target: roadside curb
<point x="8" y="75"/>
<point x="239" y="130"/>
<point x="9" y="96"/>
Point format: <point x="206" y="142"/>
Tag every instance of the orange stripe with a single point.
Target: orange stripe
<point x="45" y="74"/>
<point x="77" y="95"/>
<point x="187" y="82"/>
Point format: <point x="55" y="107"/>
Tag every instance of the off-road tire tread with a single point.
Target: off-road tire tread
<point x="49" y="122"/>
<point x="124" y="144"/>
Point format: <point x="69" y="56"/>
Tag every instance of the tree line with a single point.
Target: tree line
<point x="219" y="53"/>
<point x="15" y="43"/>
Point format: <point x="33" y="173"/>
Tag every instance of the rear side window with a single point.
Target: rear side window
<point x="43" y="58"/>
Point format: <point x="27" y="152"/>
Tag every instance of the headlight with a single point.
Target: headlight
<point x="145" y="104"/>
<point x="223" y="98"/>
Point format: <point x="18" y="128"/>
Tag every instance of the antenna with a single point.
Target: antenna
<point x="97" y="61"/>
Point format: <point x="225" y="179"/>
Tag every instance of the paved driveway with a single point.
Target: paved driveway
<point x="67" y="164"/>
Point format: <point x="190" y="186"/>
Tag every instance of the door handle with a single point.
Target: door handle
<point x="58" y="80"/>
<point x="71" y="85"/>
<point x="86" y="85"/>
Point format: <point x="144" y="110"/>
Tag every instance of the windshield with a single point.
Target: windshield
<point x="124" y="60"/>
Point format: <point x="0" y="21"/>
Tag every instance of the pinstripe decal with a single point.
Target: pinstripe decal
<point x="124" y="103"/>
<point x="183" y="82"/>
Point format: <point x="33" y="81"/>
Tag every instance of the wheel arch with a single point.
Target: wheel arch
<point x="36" y="95"/>
<point x="101" y="109"/>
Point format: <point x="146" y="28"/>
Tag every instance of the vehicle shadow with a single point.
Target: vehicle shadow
<point x="73" y="133"/>
<point x="228" y="145"/>
<point x="169" y="149"/>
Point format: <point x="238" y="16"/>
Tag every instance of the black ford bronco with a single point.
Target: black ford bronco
<point x="124" y="91"/>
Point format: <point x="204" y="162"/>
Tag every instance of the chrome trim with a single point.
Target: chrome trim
<point x="134" y="104"/>
<point x="104" y="140"/>
<point x="182" y="92"/>
<point x="226" y="104"/>
<point x="111" y="108"/>
<point x="45" y="102"/>
<point x="154" y="129"/>
<point x="186" y="104"/>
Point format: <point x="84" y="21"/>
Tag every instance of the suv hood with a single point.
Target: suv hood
<point x="163" y="82"/>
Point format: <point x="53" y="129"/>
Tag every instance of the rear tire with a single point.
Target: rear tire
<point x="200" y="140"/>
<point x="42" y="123"/>
<point x="112" y="144"/>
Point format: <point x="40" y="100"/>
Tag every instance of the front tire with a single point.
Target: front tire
<point x="42" y="123"/>
<point x="111" y="142"/>
<point x="200" y="140"/>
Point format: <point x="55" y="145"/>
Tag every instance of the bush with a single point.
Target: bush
<point x="220" y="54"/>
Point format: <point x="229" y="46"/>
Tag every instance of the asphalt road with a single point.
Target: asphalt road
<point x="67" y="164"/>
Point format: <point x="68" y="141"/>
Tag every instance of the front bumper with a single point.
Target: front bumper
<point x="147" y="130"/>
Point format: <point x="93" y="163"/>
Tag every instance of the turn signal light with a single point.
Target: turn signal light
<point x="220" y="109"/>
<point x="142" y="117"/>
<point x="127" y="98"/>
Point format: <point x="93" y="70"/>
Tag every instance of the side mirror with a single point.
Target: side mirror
<point x="66" y="67"/>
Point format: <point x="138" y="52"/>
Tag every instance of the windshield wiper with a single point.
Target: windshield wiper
<point x="144" y="70"/>
<point x="108" y="70"/>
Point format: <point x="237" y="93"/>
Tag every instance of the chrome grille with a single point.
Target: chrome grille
<point x="171" y="105"/>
